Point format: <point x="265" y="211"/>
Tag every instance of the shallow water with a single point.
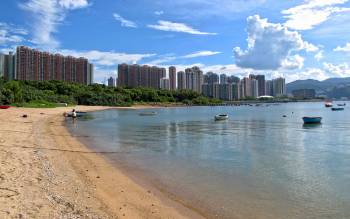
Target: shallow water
<point x="255" y="165"/>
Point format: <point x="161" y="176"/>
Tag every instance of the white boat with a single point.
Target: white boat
<point x="221" y="117"/>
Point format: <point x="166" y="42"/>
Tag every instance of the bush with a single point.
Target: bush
<point x="43" y="92"/>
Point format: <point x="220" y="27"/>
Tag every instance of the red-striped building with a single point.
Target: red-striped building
<point x="35" y="65"/>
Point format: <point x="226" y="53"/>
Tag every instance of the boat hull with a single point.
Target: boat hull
<point x="312" y="120"/>
<point x="221" y="117"/>
<point x="4" y="107"/>
<point x="337" y="109"/>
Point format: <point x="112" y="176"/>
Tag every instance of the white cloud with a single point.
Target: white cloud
<point x="73" y="4"/>
<point x="200" y="54"/>
<point x="345" y="48"/>
<point x="107" y="58"/>
<point x="47" y="15"/>
<point x="159" y="13"/>
<point x="312" y="13"/>
<point x="124" y="22"/>
<point x="10" y="34"/>
<point x="293" y="62"/>
<point x="271" y="46"/>
<point x="341" y="70"/>
<point x="319" y="55"/>
<point x="177" y="27"/>
<point x="309" y="73"/>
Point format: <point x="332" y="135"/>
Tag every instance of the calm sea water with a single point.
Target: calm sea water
<point x="257" y="164"/>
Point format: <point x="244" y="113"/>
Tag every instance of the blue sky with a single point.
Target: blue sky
<point x="297" y="39"/>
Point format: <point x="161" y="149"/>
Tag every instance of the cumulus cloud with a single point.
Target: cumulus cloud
<point x="201" y="54"/>
<point x="47" y="15"/>
<point x="319" y="55"/>
<point x="341" y="70"/>
<point x="345" y="48"/>
<point x="270" y="46"/>
<point x="177" y="27"/>
<point x="124" y="22"/>
<point x="312" y="13"/>
<point x="293" y="62"/>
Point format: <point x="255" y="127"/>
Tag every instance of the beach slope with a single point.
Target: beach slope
<point x="47" y="173"/>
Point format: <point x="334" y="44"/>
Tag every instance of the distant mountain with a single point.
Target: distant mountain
<point x="332" y="87"/>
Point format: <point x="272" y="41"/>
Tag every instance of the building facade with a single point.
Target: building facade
<point x="279" y="87"/>
<point x="172" y="77"/>
<point x="304" y="93"/>
<point x="261" y="84"/>
<point x="181" y="80"/>
<point x="111" y="82"/>
<point x="34" y="65"/>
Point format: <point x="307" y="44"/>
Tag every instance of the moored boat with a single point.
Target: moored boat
<point x="312" y="120"/>
<point x="148" y="113"/>
<point x="221" y="117"/>
<point x="337" y="108"/>
<point x="4" y="107"/>
<point x="341" y="104"/>
<point x="328" y="104"/>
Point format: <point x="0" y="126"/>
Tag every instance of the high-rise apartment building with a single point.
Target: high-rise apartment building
<point x="172" y="77"/>
<point x="165" y="83"/>
<point x="31" y="64"/>
<point x="211" y="78"/>
<point x="123" y="75"/>
<point x="269" y="88"/>
<point x="140" y="76"/>
<point x="181" y="80"/>
<point x="261" y="83"/>
<point x="247" y="87"/>
<point x="145" y="76"/>
<point x="194" y="79"/>
<point x="111" y="82"/>
<point x="255" y="88"/>
<point x="7" y="66"/>
<point x="279" y="87"/>
<point x="223" y="79"/>
<point x="134" y="76"/>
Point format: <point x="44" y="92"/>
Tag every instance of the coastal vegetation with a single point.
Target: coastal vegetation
<point x="54" y="93"/>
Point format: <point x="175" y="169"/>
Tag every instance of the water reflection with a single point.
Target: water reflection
<point x="256" y="161"/>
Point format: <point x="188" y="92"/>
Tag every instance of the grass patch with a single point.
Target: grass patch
<point x="37" y="104"/>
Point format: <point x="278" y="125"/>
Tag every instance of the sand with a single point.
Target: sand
<point x="47" y="173"/>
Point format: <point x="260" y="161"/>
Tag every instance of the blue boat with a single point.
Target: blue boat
<point x="312" y="120"/>
<point x="337" y="108"/>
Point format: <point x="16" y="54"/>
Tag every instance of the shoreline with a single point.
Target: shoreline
<point x="48" y="173"/>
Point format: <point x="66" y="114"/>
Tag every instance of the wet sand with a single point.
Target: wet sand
<point x="47" y="173"/>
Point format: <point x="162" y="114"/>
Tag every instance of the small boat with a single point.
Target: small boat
<point x="4" y="107"/>
<point x="148" y="113"/>
<point x="328" y="104"/>
<point x="312" y="120"/>
<point x="221" y="117"/>
<point x="341" y="104"/>
<point x="337" y="108"/>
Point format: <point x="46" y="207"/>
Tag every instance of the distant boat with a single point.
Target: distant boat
<point x="148" y="114"/>
<point x="221" y="117"/>
<point x="328" y="104"/>
<point x="4" y="107"/>
<point x="337" y="108"/>
<point x="312" y="120"/>
<point x="341" y="104"/>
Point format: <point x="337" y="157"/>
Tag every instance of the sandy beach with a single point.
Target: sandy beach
<point x="47" y="173"/>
